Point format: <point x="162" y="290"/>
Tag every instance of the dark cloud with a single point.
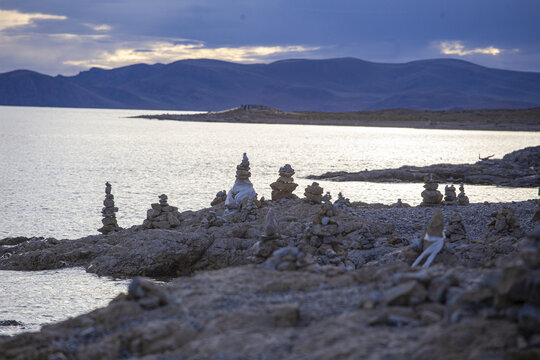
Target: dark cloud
<point x="376" y="30"/>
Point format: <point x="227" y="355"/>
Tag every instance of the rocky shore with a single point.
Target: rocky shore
<point x="337" y="284"/>
<point x="520" y="168"/>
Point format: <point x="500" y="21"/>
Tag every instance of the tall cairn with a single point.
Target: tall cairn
<point x="109" y="217"/>
<point x="242" y="189"/>
<point x="431" y="196"/>
<point x="284" y="186"/>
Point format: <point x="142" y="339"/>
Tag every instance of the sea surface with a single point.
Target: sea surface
<point x="54" y="163"/>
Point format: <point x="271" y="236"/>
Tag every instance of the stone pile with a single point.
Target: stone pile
<point x="242" y="190"/>
<point x="212" y="220"/>
<point x="450" y="197"/>
<point x="221" y="196"/>
<point x="109" y="217"/>
<point x="505" y="223"/>
<point x="342" y="201"/>
<point x="288" y="258"/>
<point x="455" y="231"/>
<point x="313" y="193"/>
<point x="284" y="186"/>
<point x="270" y="240"/>
<point x="462" y="199"/>
<point x="433" y="240"/>
<point x="431" y="196"/>
<point x="162" y="215"/>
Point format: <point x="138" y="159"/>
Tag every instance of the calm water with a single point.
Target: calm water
<point x="54" y="163"/>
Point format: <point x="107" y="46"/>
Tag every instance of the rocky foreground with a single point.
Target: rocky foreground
<point x="517" y="169"/>
<point x="340" y="286"/>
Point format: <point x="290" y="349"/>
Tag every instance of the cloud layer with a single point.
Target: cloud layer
<point x="64" y="36"/>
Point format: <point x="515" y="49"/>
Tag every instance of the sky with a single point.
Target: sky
<point x="69" y="36"/>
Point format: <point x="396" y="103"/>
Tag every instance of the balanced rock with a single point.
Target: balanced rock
<point x="162" y="215"/>
<point x="221" y="196"/>
<point x="284" y="186"/>
<point x="431" y="196"/>
<point x="313" y="193"/>
<point x="455" y="231"/>
<point x="462" y="199"/>
<point x="109" y="217"/>
<point x="242" y="189"/>
<point x="450" y="197"/>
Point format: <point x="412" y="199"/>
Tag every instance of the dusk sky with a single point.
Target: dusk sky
<point x="66" y="36"/>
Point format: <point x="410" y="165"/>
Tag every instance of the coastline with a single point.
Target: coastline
<point x="485" y="120"/>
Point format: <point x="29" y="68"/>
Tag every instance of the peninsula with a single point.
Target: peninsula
<point x="502" y="119"/>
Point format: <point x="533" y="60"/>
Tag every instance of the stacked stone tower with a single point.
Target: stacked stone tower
<point x="109" y="217"/>
<point x="284" y="186"/>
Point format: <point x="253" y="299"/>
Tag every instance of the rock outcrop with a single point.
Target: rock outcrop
<point x="517" y="169"/>
<point x="284" y="186"/>
<point x="162" y="215"/>
<point x="109" y="217"/>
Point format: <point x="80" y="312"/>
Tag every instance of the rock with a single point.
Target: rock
<point x="408" y="293"/>
<point x="148" y="294"/>
<point x="221" y="196"/>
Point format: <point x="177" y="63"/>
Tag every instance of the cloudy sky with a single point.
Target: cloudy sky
<point x="67" y="36"/>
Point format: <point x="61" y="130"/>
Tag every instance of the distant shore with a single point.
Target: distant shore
<point x="498" y="119"/>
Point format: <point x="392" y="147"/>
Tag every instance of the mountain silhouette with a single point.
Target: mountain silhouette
<point x="345" y="84"/>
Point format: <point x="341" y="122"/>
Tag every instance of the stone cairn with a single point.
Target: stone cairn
<point x="505" y="223"/>
<point x="212" y="220"/>
<point x="462" y="199"/>
<point x="342" y="201"/>
<point x="242" y="190"/>
<point x="221" y="196"/>
<point x="455" y="231"/>
<point x="284" y="186"/>
<point x="431" y="196"/>
<point x="450" y="197"/>
<point x="313" y="193"/>
<point x="108" y="212"/>
<point x="270" y="239"/>
<point x="162" y="215"/>
<point x="324" y="235"/>
<point x="400" y="204"/>
<point x="433" y="240"/>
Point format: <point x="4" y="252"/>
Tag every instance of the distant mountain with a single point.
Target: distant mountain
<point x="344" y="84"/>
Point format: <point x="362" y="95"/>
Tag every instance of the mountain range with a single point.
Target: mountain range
<point x="344" y="84"/>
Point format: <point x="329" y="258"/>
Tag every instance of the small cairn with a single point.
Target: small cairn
<point x="109" y="217"/>
<point x="284" y="186"/>
<point x="462" y="199"/>
<point x="342" y="202"/>
<point x="400" y="204"/>
<point x="433" y="240"/>
<point x="242" y="189"/>
<point x="431" y="196"/>
<point x="450" y="197"/>
<point x="455" y="231"/>
<point x="313" y="193"/>
<point x="212" y="220"/>
<point x="162" y="215"/>
<point x="269" y="241"/>
<point x="221" y="196"/>
<point x="505" y="223"/>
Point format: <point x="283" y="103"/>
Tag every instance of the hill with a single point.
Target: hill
<point x="344" y="84"/>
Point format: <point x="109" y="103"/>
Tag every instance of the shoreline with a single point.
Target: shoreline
<point x="482" y="120"/>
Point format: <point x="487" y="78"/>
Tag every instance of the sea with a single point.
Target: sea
<point x="54" y="163"/>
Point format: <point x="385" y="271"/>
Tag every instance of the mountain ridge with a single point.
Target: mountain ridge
<point x="340" y="84"/>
